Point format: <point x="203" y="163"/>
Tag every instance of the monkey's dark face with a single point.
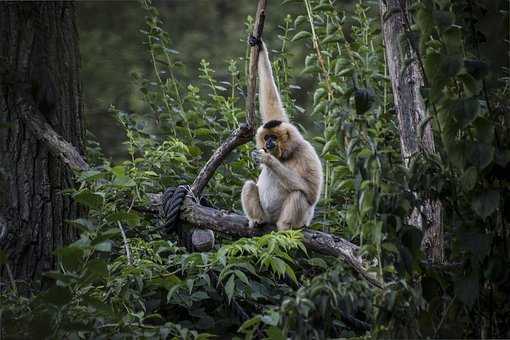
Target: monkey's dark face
<point x="273" y="137"/>
<point x="271" y="142"/>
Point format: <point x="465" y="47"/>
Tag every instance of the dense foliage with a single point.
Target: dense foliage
<point x="126" y="276"/>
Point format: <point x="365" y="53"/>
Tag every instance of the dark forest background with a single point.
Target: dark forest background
<point x="114" y="56"/>
<point x="128" y="223"/>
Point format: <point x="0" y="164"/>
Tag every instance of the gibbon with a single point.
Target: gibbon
<point x="290" y="182"/>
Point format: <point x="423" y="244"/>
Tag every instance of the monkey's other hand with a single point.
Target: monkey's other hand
<point x="260" y="156"/>
<point x="254" y="41"/>
<point x="255" y="224"/>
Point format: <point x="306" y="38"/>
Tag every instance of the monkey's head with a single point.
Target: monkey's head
<point x="278" y="138"/>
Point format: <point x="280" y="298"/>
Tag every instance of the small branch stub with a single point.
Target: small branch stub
<point x="43" y="131"/>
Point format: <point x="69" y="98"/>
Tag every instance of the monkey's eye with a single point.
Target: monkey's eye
<point x="266" y="137"/>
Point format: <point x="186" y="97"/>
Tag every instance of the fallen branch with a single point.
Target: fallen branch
<point x="236" y="225"/>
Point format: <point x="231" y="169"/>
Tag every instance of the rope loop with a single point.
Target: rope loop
<point x="172" y="200"/>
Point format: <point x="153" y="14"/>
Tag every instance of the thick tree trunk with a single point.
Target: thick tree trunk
<point x="406" y="81"/>
<point x="40" y="64"/>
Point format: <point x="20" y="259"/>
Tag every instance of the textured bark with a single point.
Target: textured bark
<point x="39" y="62"/>
<point x="406" y="81"/>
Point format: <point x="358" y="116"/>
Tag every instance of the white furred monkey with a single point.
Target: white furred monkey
<point x="290" y="182"/>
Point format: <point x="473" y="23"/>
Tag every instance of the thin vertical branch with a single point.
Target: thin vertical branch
<point x="126" y="244"/>
<point x="258" y="29"/>
<point x="244" y="133"/>
<point x="316" y="45"/>
<point x="11" y="278"/>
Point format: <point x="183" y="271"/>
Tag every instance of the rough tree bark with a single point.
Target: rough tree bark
<point x="406" y="81"/>
<point x="40" y="122"/>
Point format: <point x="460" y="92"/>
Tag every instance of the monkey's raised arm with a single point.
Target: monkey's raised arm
<point x="271" y="107"/>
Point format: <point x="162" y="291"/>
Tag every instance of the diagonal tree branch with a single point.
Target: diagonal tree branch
<point x="43" y="131"/>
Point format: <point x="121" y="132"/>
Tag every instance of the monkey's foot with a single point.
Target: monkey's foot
<point x="255" y="224"/>
<point x="254" y="41"/>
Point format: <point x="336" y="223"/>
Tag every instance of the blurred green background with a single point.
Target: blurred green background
<point x="112" y="50"/>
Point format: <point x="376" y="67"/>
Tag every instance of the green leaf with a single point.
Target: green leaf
<point x="190" y="283"/>
<point x="468" y="179"/>
<point x="82" y="224"/>
<point x="452" y="38"/>
<point x="390" y="247"/>
<point x="478" y="244"/>
<point x="476" y="68"/>
<point x="275" y="333"/>
<point x="467" y="289"/>
<point x="242" y="276"/>
<point x="502" y="157"/>
<point x="105" y="246"/>
<point x="332" y="38"/>
<point x="93" y="200"/>
<point x="299" y="19"/>
<point x="119" y="170"/>
<point x="64" y="279"/>
<point x="471" y="85"/>
<point x="311" y="69"/>
<point x="301" y="35"/>
<point x="480" y="155"/>
<point x="278" y="265"/>
<point x="250" y="323"/>
<point x="290" y="273"/>
<point x="71" y="257"/>
<point x="123" y="182"/>
<point x="3" y="257"/>
<point x="322" y="7"/>
<point x="484" y="130"/>
<point x="96" y="270"/>
<point x="90" y="175"/>
<point x="486" y="203"/>
<point x="229" y="288"/>
<point x="319" y="93"/>
<point x="131" y="218"/>
<point x="271" y="318"/>
<point x="317" y="262"/>
<point x="465" y="111"/>
<point x="203" y="132"/>
<point x="58" y="296"/>
<point x="366" y="202"/>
